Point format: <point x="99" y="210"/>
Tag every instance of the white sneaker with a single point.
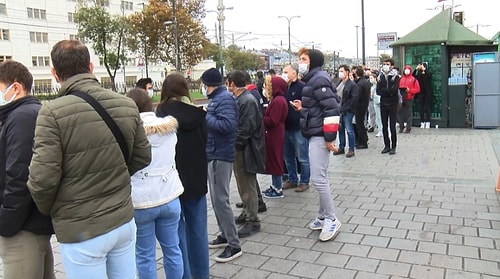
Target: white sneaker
<point x="316" y="224"/>
<point x="427" y="125"/>
<point x="379" y="134"/>
<point x="330" y="229"/>
<point x="422" y="125"/>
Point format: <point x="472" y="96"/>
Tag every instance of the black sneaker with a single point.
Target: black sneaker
<point x="219" y="242"/>
<point x="392" y="151"/>
<point x="240" y="220"/>
<point x="385" y="150"/>
<point x="229" y="254"/>
<point x="262" y="207"/>
<point x="249" y="229"/>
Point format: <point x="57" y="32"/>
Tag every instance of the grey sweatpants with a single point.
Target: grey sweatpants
<point x="319" y="157"/>
<point x="219" y="179"/>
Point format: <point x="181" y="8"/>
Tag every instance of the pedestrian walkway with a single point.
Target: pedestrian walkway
<point x="430" y="211"/>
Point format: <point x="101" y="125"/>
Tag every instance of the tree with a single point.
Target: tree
<point x="152" y="30"/>
<point x="235" y="59"/>
<point x="105" y="32"/>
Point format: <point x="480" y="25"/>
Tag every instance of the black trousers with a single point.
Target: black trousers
<point x="424" y="107"/>
<point x="389" y="118"/>
<point x="361" y="133"/>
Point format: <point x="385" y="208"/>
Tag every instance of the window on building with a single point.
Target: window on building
<point x="71" y="17"/>
<point x="74" y="37"/>
<point x="39" y="37"/>
<point x="4" y="35"/>
<point x="3" y="9"/>
<point x="40" y="61"/>
<point x="36" y="13"/>
<point x="127" y="5"/>
<point x="5" y="58"/>
<point x="42" y="86"/>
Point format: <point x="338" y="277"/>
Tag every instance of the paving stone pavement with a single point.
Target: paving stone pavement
<point x="430" y="211"/>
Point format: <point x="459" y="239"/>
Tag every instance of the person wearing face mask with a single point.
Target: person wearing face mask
<point x="409" y="87"/>
<point x="222" y="124"/>
<point x="388" y="90"/>
<point x="296" y="146"/>
<point x="348" y="108"/>
<point x="25" y="233"/>
<point x="425" y="96"/>
<point x="319" y="122"/>
<point x="146" y="84"/>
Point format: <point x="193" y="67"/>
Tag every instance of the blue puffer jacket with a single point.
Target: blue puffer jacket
<point x="222" y="125"/>
<point x="319" y="102"/>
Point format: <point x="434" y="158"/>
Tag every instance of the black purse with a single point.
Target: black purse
<point x="120" y="138"/>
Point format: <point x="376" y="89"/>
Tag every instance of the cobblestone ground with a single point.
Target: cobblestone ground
<point x="430" y="211"/>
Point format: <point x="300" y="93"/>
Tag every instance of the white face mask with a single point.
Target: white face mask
<point x="407" y="71"/>
<point x="285" y="76"/>
<point x="386" y="68"/>
<point x="372" y="80"/>
<point x="150" y="92"/>
<point x="303" y="68"/>
<point x="4" y="102"/>
<point x="204" y="90"/>
<point x="341" y="75"/>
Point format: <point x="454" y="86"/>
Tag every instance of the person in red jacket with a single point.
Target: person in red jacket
<point x="408" y="88"/>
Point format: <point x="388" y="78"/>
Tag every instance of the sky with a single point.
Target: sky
<point x="329" y="25"/>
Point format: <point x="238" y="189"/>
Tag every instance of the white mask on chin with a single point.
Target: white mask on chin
<point x="303" y="69"/>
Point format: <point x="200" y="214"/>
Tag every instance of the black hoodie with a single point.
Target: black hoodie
<point x="17" y="209"/>
<point x="190" y="151"/>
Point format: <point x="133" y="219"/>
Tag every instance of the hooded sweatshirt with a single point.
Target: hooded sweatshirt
<point x="410" y="82"/>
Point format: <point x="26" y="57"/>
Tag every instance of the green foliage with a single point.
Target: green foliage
<point x="105" y="32"/>
<point x="236" y="59"/>
<point x="150" y="36"/>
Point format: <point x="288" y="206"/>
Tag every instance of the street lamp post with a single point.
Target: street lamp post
<point x="357" y="44"/>
<point x="289" y="42"/>
<point x="145" y="41"/>
<point x="363" y="41"/>
<point x="176" y="37"/>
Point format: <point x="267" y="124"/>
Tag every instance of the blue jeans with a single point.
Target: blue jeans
<point x="111" y="254"/>
<point x="193" y="236"/>
<point x="277" y="181"/>
<point x="296" y="146"/>
<point x="346" y="125"/>
<point x="162" y="223"/>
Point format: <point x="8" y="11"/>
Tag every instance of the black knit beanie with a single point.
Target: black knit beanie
<point x="211" y="77"/>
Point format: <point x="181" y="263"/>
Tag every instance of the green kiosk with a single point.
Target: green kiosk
<point x="447" y="46"/>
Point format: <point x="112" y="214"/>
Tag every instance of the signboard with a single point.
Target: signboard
<point x="385" y="39"/>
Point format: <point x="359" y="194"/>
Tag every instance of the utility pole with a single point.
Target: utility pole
<point x="176" y="38"/>
<point x="289" y="41"/>
<point x="363" y="48"/>
<point x="357" y="44"/>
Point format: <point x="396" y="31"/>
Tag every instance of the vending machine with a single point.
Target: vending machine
<point x="486" y="89"/>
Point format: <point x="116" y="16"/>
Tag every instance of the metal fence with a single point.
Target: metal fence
<point x="47" y="92"/>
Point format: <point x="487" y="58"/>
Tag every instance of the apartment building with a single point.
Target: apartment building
<point x="29" y="29"/>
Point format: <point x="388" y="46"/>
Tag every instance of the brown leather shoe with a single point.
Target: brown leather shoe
<point x="302" y="188"/>
<point x="289" y="185"/>
<point x="349" y="154"/>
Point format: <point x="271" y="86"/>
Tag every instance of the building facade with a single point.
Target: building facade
<point x="29" y="29"/>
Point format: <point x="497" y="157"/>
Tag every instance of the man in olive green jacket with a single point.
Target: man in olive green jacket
<point x="78" y="174"/>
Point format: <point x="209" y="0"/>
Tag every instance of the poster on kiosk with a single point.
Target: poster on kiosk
<point x="486" y="89"/>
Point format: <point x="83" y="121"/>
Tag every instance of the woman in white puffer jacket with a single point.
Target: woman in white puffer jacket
<point x="155" y="195"/>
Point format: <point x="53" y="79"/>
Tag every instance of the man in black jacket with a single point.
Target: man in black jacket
<point x="25" y="233"/>
<point x="387" y="89"/>
<point x="249" y="157"/>
<point x="360" y="116"/>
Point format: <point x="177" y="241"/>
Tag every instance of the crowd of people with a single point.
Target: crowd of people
<point x="110" y="175"/>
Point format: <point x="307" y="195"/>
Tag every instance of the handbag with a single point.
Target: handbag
<point x="120" y="138"/>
